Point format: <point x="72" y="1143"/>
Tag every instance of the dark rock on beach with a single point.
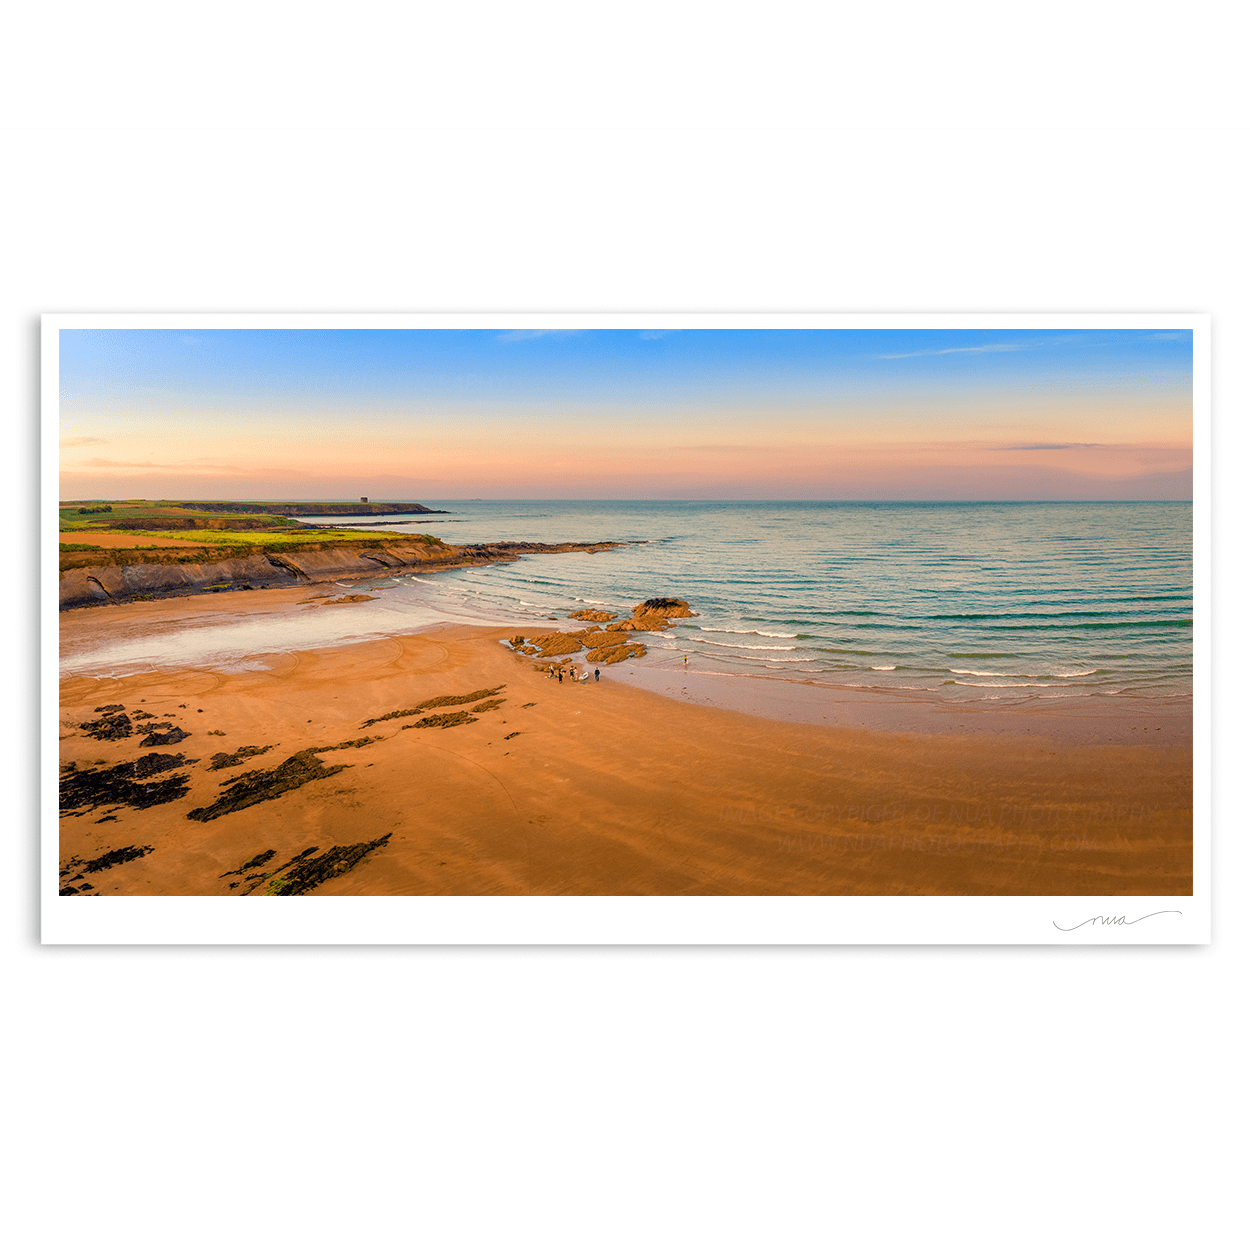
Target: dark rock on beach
<point x="149" y="765"/>
<point x="261" y="785"/>
<point x="110" y="727"/>
<point x="257" y="861"/>
<point x="445" y="700"/>
<point x="448" y="720"/>
<point x="110" y="859"/>
<point x="307" y="874"/>
<point x="89" y="788"/>
<point x="224" y="760"/>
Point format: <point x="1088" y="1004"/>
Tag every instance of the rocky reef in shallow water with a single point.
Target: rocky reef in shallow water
<point x="607" y="640"/>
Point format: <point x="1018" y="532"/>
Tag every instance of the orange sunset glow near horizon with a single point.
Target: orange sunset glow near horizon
<point x="617" y="414"/>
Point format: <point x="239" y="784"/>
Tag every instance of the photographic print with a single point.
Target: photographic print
<point x="623" y="628"/>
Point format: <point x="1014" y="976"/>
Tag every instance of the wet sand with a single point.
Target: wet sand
<point x="593" y="788"/>
<point x="1079" y="719"/>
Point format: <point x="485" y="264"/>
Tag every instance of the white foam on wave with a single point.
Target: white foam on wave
<point x="1021" y="685"/>
<point x="746" y="633"/>
<point x="871" y="685"/>
<point x="883" y="668"/>
<point x="746" y="646"/>
<point x="976" y="672"/>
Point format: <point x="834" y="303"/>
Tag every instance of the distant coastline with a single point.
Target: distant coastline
<point x="116" y="551"/>
<point x="362" y="508"/>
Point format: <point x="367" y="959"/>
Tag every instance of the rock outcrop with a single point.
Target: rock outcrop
<point x="608" y="641"/>
<point x="673" y="608"/>
<point x="122" y="575"/>
<point x="614" y="654"/>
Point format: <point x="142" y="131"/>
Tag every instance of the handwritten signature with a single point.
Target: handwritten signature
<point x="1116" y="920"/>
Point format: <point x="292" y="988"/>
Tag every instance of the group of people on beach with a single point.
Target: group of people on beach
<point x="573" y="674"/>
<point x="576" y="676"/>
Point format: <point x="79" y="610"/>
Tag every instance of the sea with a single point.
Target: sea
<point x="988" y="603"/>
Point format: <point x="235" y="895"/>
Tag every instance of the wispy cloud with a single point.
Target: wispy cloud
<point x="657" y="334"/>
<point x="517" y="336"/>
<point x="185" y="466"/>
<point x="1046" y="446"/>
<point x="1165" y="336"/>
<point x="85" y="441"/>
<point x="950" y="351"/>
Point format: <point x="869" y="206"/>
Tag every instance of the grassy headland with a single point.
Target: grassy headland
<point x="225" y="524"/>
<point x="110" y="547"/>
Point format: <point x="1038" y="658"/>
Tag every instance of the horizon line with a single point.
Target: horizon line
<point x="569" y="499"/>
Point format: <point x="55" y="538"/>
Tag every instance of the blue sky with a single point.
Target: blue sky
<point x="225" y="409"/>
<point x="601" y="366"/>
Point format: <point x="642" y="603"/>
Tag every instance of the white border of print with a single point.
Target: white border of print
<point x="1068" y="920"/>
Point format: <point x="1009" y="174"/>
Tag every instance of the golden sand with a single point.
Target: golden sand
<point x="594" y="787"/>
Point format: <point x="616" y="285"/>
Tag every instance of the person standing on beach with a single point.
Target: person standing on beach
<point x="596" y="674"/>
<point x="685" y="661"/>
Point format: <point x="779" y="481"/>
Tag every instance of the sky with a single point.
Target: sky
<point x="626" y="414"/>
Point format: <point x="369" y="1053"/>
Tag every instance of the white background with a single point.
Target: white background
<point x="791" y="157"/>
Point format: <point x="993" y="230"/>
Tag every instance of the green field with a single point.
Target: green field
<point x="166" y="516"/>
<point x="252" y="538"/>
<point x="163" y="521"/>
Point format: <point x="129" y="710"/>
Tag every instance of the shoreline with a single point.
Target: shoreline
<point x="1105" y="719"/>
<point x="520" y="784"/>
<point x="1072" y="720"/>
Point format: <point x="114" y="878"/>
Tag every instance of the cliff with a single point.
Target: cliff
<point x="118" y="576"/>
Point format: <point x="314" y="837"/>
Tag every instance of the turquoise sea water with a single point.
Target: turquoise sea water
<point x="968" y="601"/>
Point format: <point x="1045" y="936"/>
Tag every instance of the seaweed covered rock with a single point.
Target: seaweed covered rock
<point x="306" y="874"/>
<point x="442" y="700"/>
<point x="264" y="784"/>
<point x="112" y="725"/>
<point x="672" y="608"/>
<point x="88" y="788"/>
<point x="224" y="760"/>
<point x="448" y="720"/>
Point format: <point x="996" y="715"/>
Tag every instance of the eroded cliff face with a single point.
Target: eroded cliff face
<point x="153" y="574"/>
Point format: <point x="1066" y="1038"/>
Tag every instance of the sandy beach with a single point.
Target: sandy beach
<point x="536" y="786"/>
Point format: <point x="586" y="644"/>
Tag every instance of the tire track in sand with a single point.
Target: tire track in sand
<point x="529" y="866"/>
